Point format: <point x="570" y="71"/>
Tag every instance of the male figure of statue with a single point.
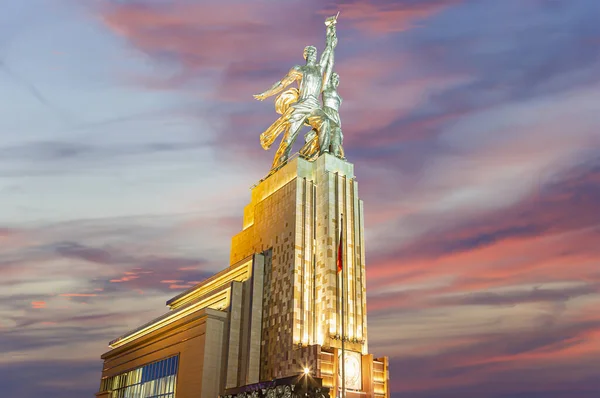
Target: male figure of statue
<point x="307" y="109"/>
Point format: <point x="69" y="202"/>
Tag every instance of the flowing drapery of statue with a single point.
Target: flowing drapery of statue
<point x="302" y="106"/>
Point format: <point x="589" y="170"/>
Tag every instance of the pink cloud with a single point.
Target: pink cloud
<point x="78" y="295"/>
<point x="506" y="263"/>
<point x="38" y="304"/>
<point x="389" y="18"/>
<point x="203" y="37"/>
<point x="175" y="286"/>
<point x="187" y="268"/>
<point x="6" y="232"/>
<point x="126" y="278"/>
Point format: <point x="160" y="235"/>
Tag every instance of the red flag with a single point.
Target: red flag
<point x="340" y="260"/>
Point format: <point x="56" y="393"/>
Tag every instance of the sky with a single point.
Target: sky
<point x="129" y="144"/>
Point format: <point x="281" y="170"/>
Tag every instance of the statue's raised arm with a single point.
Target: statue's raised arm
<point x="326" y="61"/>
<point x="294" y="74"/>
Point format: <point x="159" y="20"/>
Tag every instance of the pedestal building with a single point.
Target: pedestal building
<point x="271" y="323"/>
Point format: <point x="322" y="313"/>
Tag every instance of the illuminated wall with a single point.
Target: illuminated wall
<point x="296" y="213"/>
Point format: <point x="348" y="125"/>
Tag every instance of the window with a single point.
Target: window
<point x="154" y="380"/>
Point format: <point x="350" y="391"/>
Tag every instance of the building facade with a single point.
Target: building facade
<point x="276" y="321"/>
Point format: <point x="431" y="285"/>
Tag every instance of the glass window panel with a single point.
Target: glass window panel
<point x="168" y="367"/>
<point x="144" y="393"/>
<point x="144" y="374"/>
<point x="150" y="387"/>
<point x="161" y="372"/>
<point x="159" y="386"/>
<point x="154" y="387"/>
<point x="153" y="371"/>
<point x="157" y="370"/>
<point x="170" y="383"/>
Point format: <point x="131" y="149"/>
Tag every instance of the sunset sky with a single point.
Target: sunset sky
<point x="129" y="143"/>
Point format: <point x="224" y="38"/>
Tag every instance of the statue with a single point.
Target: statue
<point x="300" y="106"/>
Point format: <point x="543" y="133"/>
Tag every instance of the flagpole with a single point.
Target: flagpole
<point x="343" y="321"/>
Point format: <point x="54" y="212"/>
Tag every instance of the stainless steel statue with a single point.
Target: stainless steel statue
<point x="301" y="106"/>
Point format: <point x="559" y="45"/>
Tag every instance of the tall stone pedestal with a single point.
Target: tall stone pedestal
<point x="297" y="214"/>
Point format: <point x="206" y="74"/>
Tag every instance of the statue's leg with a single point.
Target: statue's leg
<point x="319" y="121"/>
<point x="336" y="142"/>
<point x="310" y="150"/>
<point x="283" y="153"/>
<point x="325" y="137"/>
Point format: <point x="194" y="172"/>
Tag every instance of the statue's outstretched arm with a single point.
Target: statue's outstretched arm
<point x="293" y="75"/>
<point x="327" y="55"/>
<point x="328" y="68"/>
